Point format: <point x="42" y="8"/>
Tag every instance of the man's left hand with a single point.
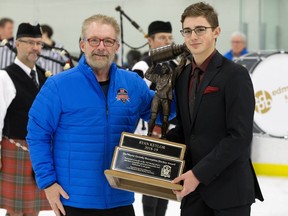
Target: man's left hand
<point x="190" y="183"/>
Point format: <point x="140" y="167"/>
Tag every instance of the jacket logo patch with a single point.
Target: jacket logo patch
<point x="122" y="94"/>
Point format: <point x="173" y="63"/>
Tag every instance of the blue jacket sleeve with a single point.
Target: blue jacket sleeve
<point x="43" y="119"/>
<point x="147" y="97"/>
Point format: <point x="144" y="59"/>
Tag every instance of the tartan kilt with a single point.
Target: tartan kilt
<point x="18" y="189"/>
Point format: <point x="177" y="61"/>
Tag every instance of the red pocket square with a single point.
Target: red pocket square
<point x="211" y="89"/>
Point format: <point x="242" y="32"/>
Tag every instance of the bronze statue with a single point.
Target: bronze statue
<point x="163" y="92"/>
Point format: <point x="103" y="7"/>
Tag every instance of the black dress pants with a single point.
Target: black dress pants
<point x="193" y="204"/>
<point x="119" y="211"/>
<point x="153" y="206"/>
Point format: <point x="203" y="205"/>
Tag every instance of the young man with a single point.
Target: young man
<point x="77" y="120"/>
<point x="215" y="124"/>
<point x="238" y="46"/>
<point x="19" y="84"/>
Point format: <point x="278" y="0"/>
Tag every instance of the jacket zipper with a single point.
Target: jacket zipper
<point x="106" y="135"/>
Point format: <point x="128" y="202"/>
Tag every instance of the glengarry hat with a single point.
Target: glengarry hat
<point x="28" y="30"/>
<point x="159" y="27"/>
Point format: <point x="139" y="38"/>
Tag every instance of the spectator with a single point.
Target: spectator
<point x="238" y="46"/>
<point x="7" y="56"/>
<point x="133" y="56"/>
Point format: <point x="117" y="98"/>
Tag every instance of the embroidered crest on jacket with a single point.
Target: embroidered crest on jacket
<point x="122" y="94"/>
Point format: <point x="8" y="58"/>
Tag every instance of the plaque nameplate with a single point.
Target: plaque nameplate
<point x="152" y="145"/>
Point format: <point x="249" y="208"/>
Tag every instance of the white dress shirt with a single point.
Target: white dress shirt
<point x="8" y="91"/>
<point x="142" y="66"/>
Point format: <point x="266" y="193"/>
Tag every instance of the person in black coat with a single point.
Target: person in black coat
<point x="215" y="120"/>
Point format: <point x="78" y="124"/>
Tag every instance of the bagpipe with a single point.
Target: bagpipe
<point x="63" y="52"/>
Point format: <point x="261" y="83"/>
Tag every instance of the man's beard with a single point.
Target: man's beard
<point x="33" y="57"/>
<point x="99" y="63"/>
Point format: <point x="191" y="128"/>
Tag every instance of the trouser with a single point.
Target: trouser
<point x="153" y="206"/>
<point x="119" y="211"/>
<point x="193" y="204"/>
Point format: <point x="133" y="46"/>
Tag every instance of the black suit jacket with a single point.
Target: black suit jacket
<point x="219" y="135"/>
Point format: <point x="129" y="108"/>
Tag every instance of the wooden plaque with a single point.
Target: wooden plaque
<point x="146" y="165"/>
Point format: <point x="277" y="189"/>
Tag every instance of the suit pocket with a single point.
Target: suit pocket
<point x="212" y="99"/>
<point x="211" y="89"/>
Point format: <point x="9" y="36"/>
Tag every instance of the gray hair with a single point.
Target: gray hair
<point x="242" y="35"/>
<point x="103" y="19"/>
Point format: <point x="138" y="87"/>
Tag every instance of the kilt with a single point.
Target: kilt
<point x="18" y="189"/>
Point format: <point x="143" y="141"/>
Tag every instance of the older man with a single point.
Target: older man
<point x="19" y="85"/>
<point x="238" y="46"/>
<point x="77" y="120"/>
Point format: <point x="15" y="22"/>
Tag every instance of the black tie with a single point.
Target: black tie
<point x="194" y="81"/>
<point x="33" y="76"/>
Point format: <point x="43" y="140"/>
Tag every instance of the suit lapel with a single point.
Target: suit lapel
<point x="211" y="71"/>
<point x="186" y="78"/>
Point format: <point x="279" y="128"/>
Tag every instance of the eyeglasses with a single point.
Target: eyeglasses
<point x="164" y="38"/>
<point x="237" y="42"/>
<point x="94" y="42"/>
<point x="199" y="31"/>
<point x="33" y="43"/>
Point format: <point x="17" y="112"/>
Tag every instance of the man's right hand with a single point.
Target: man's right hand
<point x="53" y="195"/>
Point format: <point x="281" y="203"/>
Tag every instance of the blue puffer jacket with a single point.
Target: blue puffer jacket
<point x="229" y="54"/>
<point x="73" y="130"/>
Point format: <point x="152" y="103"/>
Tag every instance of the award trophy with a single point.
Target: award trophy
<point x="145" y="164"/>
